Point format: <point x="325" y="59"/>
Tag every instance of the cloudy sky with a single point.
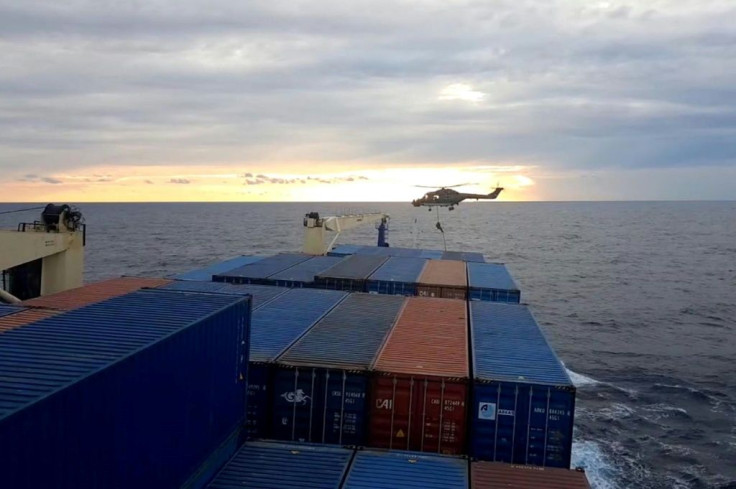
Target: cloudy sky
<point x="358" y="100"/>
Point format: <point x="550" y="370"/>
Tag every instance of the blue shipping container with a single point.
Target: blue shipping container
<point x="302" y="274"/>
<point x="275" y="326"/>
<point x="259" y="271"/>
<point x="372" y="469"/>
<point x="398" y="276"/>
<point x="260" y="294"/>
<point x="320" y="393"/>
<point x="523" y="401"/>
<point x="206" y="273"/>
<point x="6" y="310"/>
<point x="350" y="274"/>
<point x="135" y="391"/>
<point x="491" y="282"/>
<point x="282" y="466"/>
<point x="344" y="250"/>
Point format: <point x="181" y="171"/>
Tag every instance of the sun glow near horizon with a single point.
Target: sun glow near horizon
<point x="211" y="184"/>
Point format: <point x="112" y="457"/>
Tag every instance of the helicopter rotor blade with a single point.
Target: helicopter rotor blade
<point x="444" y="186"/>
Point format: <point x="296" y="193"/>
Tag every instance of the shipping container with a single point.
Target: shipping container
<point x="95" y="292"/>
<point x="350" y="274"/>
<point x="205" y="274"/>
<point x="275" y="327"/>
<point x="491" y="282"/>
<point x="344" y="250"/>
<point x="523" y="400"/>
<point x="135" y="391"/>
<point x="466" y="256"/>
<point x="282" y="466"/>
<point x="260" y="294"/>
<point x="321" y="387"/>
<point x="373" y="469"/>
<point x="302" y="274"/>
<point x="443" y="278"/>
<point x="431" y="254"/>
<point x="420" y="388"/>
<point x="24" y="317"/>
<point x="258" y="272"/>
<point x="7" y="309"/>
<point x="495" y="475"/>
<point x="397" y="276"/>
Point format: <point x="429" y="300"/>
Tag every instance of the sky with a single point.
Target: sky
<point x="163" y="100"/>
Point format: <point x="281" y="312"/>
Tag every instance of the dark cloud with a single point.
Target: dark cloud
<point x="564" y="85"/>
<point x="180" y="180"/>
<point x="31" y="177"/>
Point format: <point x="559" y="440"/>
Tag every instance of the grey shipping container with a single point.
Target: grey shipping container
<point x="279" y="465"/>
<point x="397" y="276"/>
<point x="206" y="273"/>
<point x="320" y="391"/>
<point x="350" y="274"/>
<point x="523" y="401"/>
<point x="142" y="390"/>
<point x="258" y="272"/>
<point x="302" y="274"/>
<point x="466" y="256"/>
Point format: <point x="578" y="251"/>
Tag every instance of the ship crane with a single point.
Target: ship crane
<point x="43" y="257"/>
<point x="316" y="228"/>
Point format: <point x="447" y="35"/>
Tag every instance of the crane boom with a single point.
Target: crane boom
<point x="315" y="228"/>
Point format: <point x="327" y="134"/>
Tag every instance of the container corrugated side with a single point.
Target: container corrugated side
<point x="276" y="326"/>
<point x="93" y="293"/>
<point x="283" y="466"/>
<point x="6" y="310"/>
<point x="259" y="271"/>
<point x="350" y="274"/>
<point x="523" y="401"/>
<point x="491" y="282"/>
<point x="492" y="475"/>
<point x="260" y="294"/>
<point x="373" y="469"/>
<point x="321" y="388"/>
<point x="206" y="273"/>
<point x="95" y="397"/>
<point x="397" y="276"/>
<point x="443" y="278"/>
<point x="24" y="318"/>
<point x="466" y="256"/>
<point x="420" y="388"/>
<point x="302" y="274"/>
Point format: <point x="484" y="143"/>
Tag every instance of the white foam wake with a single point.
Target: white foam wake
<point x="600" y="471"/>
<point x="581" y="380"/>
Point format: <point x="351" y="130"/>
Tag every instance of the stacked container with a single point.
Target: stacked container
<point x="443" y="278"/>
<point x="135" y="391"/>
<point x="420" y="386"/>
<point x="206" y="273"/>
<point x="523" y="400"/>
<point x="260" y="294"/>
<point x="466" y="256"/>
<point x="321" y="388"/>
<point x="258" y="272"/>
<point x="92" y="293"/>
<point x="492" y="475"/>
<point x="275" y="327"/>
<point x="282" y="466"/>
<point x="302" y="274"/>
<point x="6" y="310"/>
<point x="398" y="276"/>
<point x="372" y="469"/>
<point x="24" y="317"/>
<point x="350" y="273"/>
<point x="491" y="282"/>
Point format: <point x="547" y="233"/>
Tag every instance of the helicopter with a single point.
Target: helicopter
<point x="446" y="197"/>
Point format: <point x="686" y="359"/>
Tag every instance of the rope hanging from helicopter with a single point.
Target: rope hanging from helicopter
<point x="439" y="226"/>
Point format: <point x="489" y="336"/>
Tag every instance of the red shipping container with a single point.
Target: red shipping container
<point x="92" y="293"/>
<point x="24" y="317"/>
<point x="496" y="475"/>
<point x="421" y="384"/>
<point x="443" y="278"/>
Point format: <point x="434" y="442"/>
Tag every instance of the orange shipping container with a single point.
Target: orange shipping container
<point x="443" y="278"/>
<point x="496" y="475"/>
<point x="421" y="382"/>
<point x="92" y="293"/>
<point x="23" y="318"/>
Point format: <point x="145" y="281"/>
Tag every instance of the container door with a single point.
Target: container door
<point x="259" y="401"/>
<point x="343" y="416"/>
<point x="439" y="416"/>
<point x="391" y="412"/>
<point x="296" y="397"/>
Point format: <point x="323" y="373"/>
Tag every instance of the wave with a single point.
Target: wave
<point x="601" y="473"/>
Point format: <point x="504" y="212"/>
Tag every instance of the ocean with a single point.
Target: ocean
<point x="637" y="298"/>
